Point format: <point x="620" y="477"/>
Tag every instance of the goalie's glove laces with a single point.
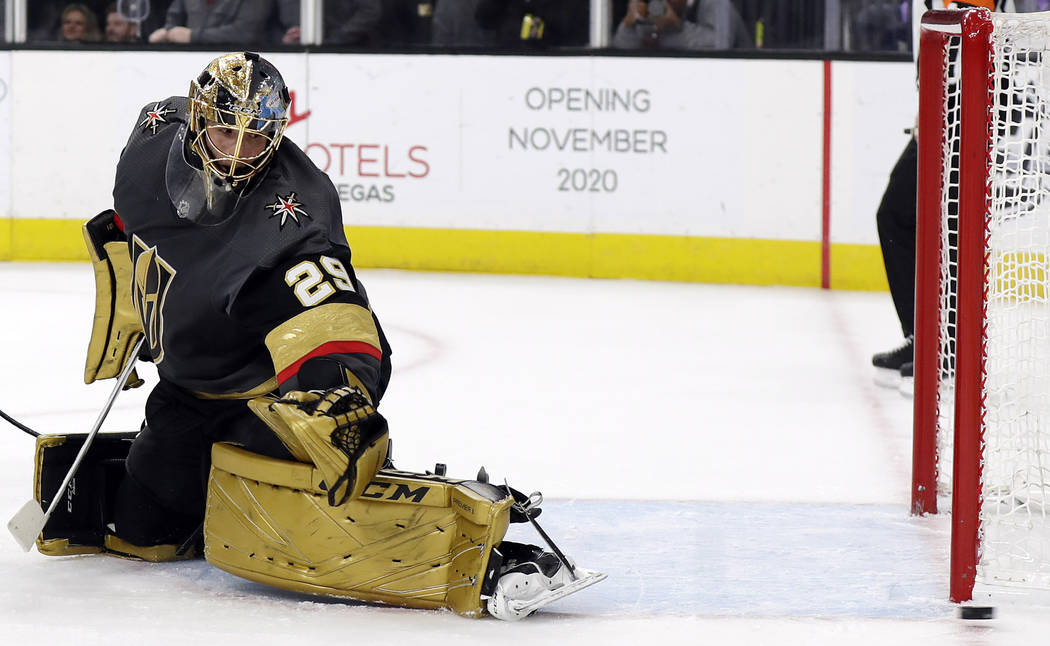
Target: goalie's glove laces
<point x="357" y="427"/>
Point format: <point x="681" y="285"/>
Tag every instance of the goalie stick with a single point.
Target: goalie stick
<point x="18" y="425"/>
<point x="527" y="512"/>
<point x="30" y="520"/>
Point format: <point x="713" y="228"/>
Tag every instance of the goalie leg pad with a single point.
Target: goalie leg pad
<point x="78" y="524"/>
<point x="409" y="539"/>
<point x="81" y="522"/>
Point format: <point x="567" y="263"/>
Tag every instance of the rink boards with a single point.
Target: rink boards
<point x="691" y="169"/>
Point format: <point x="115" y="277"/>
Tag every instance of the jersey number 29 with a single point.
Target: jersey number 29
<point x="312" y="285"/>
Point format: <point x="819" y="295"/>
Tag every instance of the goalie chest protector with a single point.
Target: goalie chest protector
<point x="188" y="276"/>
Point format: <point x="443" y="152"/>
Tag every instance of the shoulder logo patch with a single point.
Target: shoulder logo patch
<point x="287" y="207"/>
<point x="155" y="116"/>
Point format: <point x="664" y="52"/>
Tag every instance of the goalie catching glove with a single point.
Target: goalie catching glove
<point x="338" y="431"/>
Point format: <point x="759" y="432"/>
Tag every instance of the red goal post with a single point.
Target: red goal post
<point x="982" y="318"/>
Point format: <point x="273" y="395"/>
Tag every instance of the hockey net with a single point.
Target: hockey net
<point x="982" y="380"/>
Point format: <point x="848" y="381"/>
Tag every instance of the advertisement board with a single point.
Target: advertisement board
<point x="571" y="144"/>
<point x="698" y="168"/>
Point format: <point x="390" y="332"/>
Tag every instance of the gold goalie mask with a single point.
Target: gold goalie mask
<point x="237" y="111"/>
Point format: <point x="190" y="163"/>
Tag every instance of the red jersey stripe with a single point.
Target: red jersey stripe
<point x="332" y="347"/>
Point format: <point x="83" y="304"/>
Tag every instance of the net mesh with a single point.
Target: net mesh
<point x="948" y="266"/>
<point x="1016" y="478"/>
<point x="1014" y="534"/>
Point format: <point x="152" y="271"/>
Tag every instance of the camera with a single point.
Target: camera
<point x="656" y="9"/>
<point x="646" y="27"/>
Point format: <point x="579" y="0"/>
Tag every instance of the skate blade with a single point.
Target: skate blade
<point x="886" y="378"/>
<point x="585" y="579"/>
<point x="907" y="387"/>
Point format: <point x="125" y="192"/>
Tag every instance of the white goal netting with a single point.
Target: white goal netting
<point x="1014" y="534"/>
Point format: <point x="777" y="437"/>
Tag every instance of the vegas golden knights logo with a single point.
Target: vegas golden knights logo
<point x="152" y="279"/>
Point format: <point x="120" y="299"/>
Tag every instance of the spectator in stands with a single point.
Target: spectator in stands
<point x="156" y="14"/>
<point x="286" y="22"/>
<point x="216" y="21"/>
<point x="536" y="23"/>
<point x="119" y="30"/>
<point x="353" y="22"/>
<point x="682" y="24"/>
<point x="79" y="24"/>
<point x="455" y="26"/>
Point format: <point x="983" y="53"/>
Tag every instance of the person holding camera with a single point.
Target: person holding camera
<point x="214" y="21"/>
<point x="681" y="24"/>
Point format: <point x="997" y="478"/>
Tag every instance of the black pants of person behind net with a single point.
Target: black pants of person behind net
<point x="896" y="219"/>
<point x="162" y="496"/>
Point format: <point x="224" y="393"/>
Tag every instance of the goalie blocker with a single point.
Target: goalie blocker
<point x="116" y="326"/>
<point x="409" y="539"/>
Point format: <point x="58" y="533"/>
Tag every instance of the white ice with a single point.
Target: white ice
<point x="720" y="451"/>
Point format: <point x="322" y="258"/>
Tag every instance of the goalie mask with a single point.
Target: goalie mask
<point x="237" y="111"/>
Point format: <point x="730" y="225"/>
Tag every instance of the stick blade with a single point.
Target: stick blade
<point x="27" y="524"/>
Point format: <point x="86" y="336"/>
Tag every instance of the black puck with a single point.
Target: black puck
<point x="977" y="612"/>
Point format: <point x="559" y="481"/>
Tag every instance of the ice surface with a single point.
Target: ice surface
<point x="720" y="451"/>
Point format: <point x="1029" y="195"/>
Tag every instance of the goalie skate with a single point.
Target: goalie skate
<point x="526" y="586"/>
<point x="503" y="606"/>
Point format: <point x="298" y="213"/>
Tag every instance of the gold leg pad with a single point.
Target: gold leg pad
<point x="155" y="553"/>
<point x="113" y="547"/>
<point x="410" y="540"/>
<point x="61" y="547"/>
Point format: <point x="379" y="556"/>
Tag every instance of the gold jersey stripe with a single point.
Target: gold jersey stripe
<point x="300" y="335"/>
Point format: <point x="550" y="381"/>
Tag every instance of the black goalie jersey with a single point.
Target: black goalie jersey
<point x="266" y="299"/>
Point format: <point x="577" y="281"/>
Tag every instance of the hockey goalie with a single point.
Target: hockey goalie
<point x="224" y="263"/>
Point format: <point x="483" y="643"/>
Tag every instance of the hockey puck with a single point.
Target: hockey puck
<point x="977" y="612"/>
